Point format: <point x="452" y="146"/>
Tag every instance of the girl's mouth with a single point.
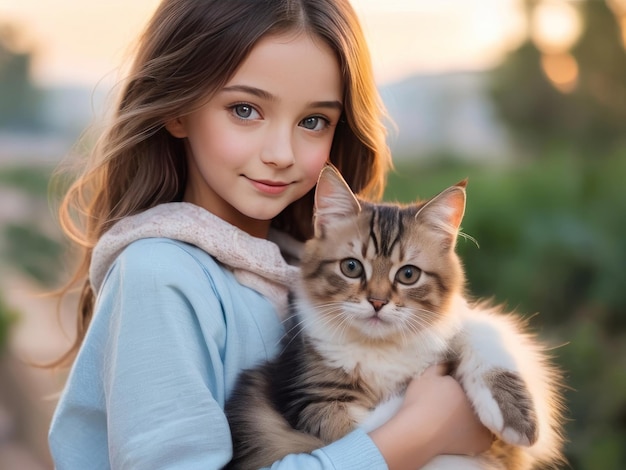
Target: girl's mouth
<point x="269" y="187"/>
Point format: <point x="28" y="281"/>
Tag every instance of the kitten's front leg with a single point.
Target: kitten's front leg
<point x="517" y="422"/>
<point x="328" y="420"/>
<point x="488" y="354"/>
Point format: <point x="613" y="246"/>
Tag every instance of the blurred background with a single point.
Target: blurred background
<point x="527" y="98"/>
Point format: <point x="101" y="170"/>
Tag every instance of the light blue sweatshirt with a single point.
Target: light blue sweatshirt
<point x="171" y="330"/>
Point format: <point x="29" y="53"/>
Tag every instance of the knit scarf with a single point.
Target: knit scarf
<point x="256" y="263"/>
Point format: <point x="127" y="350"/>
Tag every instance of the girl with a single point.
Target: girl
<point x="230" y="111"/>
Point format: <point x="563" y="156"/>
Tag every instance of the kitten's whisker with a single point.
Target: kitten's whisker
<point x="292" y="339"/>
<point x="468" y="237"/>
<point x="415" y="326"/>
<point x="331" y="312"/>
<point x="404" y="335"/>
<point x="296" y="326"/>
<point x="429" y="312"/>
<point x="345" y="322"/>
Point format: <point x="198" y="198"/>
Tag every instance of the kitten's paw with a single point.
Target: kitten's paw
<point x="518" y="421"/>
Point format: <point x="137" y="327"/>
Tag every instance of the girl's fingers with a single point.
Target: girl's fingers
<point x="436" y="370"/>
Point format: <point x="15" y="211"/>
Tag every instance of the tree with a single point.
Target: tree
<point x="587" y="119"/>
<point x="20" y="100"/>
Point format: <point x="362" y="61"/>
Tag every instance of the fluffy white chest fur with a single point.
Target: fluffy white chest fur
<point x="386" y="370"/>
<point x="479" y="341"/>
<point x="385" y="366"/>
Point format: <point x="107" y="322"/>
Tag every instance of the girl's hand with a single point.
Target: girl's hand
<point x="443" y="406"/>
<point x="436" y="418"/>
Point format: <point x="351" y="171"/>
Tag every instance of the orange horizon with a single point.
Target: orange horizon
<point x="85" y="43"/>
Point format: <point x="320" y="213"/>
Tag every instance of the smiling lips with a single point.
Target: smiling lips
<point x="269" y="187"/>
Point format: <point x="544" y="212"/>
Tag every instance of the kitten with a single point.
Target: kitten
<point x="379" y="300"/>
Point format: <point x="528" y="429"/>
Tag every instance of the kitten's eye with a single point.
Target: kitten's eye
<point x="351" y="267"/>
<point x="408" y="274"/>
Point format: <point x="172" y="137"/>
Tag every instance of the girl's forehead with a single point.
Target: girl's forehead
<point x="289" y="66"/>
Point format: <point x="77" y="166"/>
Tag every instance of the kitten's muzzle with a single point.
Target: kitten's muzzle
<point x="377" y="303"/>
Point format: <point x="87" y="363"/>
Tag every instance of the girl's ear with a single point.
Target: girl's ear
<point x="176" y="127"/>
<point x="334" y="201"/>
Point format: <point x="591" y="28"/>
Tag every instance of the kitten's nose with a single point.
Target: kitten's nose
<point x="377" y="303"/>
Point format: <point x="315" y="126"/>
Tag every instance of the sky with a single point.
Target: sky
<point x="84" y="42"/>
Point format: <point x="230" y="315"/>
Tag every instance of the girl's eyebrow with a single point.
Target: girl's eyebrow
<point x="267" y="96"/>
<point x="334" y="104"/>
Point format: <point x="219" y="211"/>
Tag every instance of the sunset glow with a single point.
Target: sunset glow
<point x="561" y="69"/>
<point x="556" y="26"/>
<point x="84" y="42"/>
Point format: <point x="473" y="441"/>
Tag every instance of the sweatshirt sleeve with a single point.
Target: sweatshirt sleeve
<point x="163" y="372"/>
<point x="356" y="451"/>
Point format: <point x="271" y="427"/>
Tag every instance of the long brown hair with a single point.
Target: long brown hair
<point x="190" y="49"/>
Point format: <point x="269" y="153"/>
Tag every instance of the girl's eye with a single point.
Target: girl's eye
<point x="408" y="274"/>
<point x="351" y="267"/>
<point x="245" y="111"/>
<point x="314" y="123"/>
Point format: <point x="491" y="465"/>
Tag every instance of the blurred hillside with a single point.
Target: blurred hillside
<point x="61" y="117"/>
<point x="432" y="113"/>
<point x="444" y="113"/>
<point x="542" y="138"/>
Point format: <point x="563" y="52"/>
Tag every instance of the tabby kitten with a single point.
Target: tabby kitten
<point x="379" y="300"/>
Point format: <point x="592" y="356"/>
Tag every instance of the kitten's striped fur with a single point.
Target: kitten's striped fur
<point x="379" y="300"/>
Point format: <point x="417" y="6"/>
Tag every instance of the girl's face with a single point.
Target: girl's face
<point x="261" y="141"/>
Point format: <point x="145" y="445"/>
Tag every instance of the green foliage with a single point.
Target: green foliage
<point x="30" y="179"/>
<point x="552" y="235"/>
<point x="589" y="119"/>
<point x="24" y="244"/>
<point x="32" y="252"/>
<point x="7" y="318"/>
<point x="551" y="243"/>
<point x="21" y="100"/>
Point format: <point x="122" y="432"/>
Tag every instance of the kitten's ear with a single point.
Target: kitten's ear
<point x="334" y="200"/>
<point x="444" y="212"/>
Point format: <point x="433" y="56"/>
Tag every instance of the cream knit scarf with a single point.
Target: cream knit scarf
<point x="255" y="262"/>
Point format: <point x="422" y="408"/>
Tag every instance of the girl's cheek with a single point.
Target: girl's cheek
<point x="319" y="155"/>
<point x="316" y="162"/>
<point x="234" y="147"/>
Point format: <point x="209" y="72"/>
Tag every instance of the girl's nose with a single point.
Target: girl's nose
<point x="278" y="149"/>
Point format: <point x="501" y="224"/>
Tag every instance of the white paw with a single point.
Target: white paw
<point x="504" y="406"/>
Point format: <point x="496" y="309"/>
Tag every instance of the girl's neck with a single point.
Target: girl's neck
<point x="253" y="227"/>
